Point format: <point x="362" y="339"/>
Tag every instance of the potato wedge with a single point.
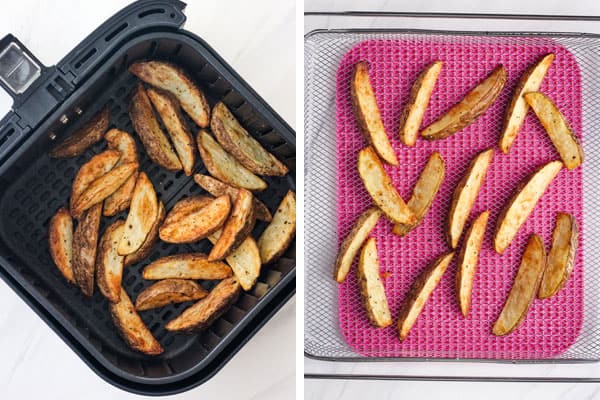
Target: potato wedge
<point x="169" y="110"/>
<point x="173" y="79"/>
<point x="153" y="138"/>
<point x="278" y="235"/>
<point x="420" y="93"/>
<point x="381" y="189"/>
<point x="186" y="266"/>
<point x="517" y="110"/>
<point x="237" y="227"/>
<point x="186" y="206"/>
<point x="132" y="328"/>
<point x="353" y="242"/>
<point x="79" y="141"/>
<point x="217" y="188"/>
<point x="202" y="314"/>
<point x="146" y="248"/>
<point x="224" y="166"/>
<point x="524" y="287"/>
<point x="472" y="106"/>
<point x="367" y="113"/>
<point x="522" y="203"/>
<point x="109" y="264"/>
<point x="465" y="195"/>
<point x="424" y="193"/>
<point x="467" y="262"/>
<point x="85" y="245"/>
<point x="420" y="292"/>
<point x="169" y="291"/>
<point x="125" y="144"/>
<point x="561" y="258"/>
<point x="244" y="261"/>
<point x="371" y="287"/>
<point x="60" y="238"/>
<point x="558" y="129"/>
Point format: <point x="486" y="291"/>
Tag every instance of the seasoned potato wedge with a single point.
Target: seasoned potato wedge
<point x="125" y="144"/>
<point x="467" y="110"/>
<point x="381" y="189"/>
<point x="465" y="195"/>
<point x="109" y="264"/>
<point x="244" y="261"/>
<point x="85" y="245"/>
<point x="561" y="258"/>
<point x="186" y="266"/>
<point x="202" y="314"/>
<point x="79" y="141"/>
<point x="420" y="292"/>
<point x="132" y="328"/>
<point x="146" y="248"/>
<point x="517" y="110"/>
<point x="367" y="113"/>
<point x="276" y="238"/>
<point x="186" y="206"/>
<point x="524" y="287"/>
<point x="558" y="129"/>
<point x="371" y="287"/>
<point x="169" y="291"/>
<point x="237" y="227"/>
<point x="60" y="237"/>
<point x="522" y="203"/>
<point x="424" y="193"/>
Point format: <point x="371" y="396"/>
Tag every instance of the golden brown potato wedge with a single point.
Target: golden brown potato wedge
<point x="125" y="144"/>
<point x="244" y="261"/>
<point x="171" y="78"/>
<point x="465" y="195"/>
<point x="186" y="266"/>
<point x="186" y="206"/>
<point x="85" y="245"/>
<point x="558" y="129"/>
<point x="424" y="193"/>
<point x="467" y="262"/>
<point x="371" y="287"/>
<point x="420" y="93"/>
<point x="381" y="189"/>
<point x="278" y="235"/>
<point x="517" y="110"/>
<point x="169" y="291"/>
<point x="109" y="264"/>
<point x="146" y="248"/>
<point x="420" y="292"/>
<point x="202" y="314"/>
<point x="60" y="237"/>
<point x="561" y="258"/>
<point x="224" y="166"/>
<point x="524" y="287"/>
<point x="367" y="113"/>
<point x="79" y="141"/>
<point x="467" y="110"/>
<point x="132" y="328"/>
<point x="522" y="203"/>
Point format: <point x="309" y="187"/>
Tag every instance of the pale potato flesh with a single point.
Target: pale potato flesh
<point x="278" y="235"/>
<point x="97" y="166"/>
<point x="125" y="144"/>
<point x="60" y="238"/>
<point x="146" y="248"/>
<point x="109" y="264"/>
<point x="372" y="289"/>
<point x="244" y="261"/>
<point x="186" y="266"/>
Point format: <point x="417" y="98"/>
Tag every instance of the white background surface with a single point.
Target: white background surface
<point x="256" y="38"/>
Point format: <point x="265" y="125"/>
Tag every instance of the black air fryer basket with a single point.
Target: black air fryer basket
<point x="52" y="102"/>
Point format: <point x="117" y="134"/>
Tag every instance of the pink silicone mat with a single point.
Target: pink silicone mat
<point x="551" y="325"/>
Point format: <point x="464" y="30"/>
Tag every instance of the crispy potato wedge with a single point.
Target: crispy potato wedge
<point x="60" y="237"/>
<point x="146" y="248"/>
<point x="420" y="292"/>
<point x="467" y="261"/>
<point x="524" y="287"/>
<point x="371" y="287"/>
<point x="125" y="144"/>
<point x="224" y="166"/>
<point x="278" y="235"/>
<point x="522" y="203"/>
<point x="169" y="110"/>
<point x="381" y="189"/>
<point x="109" y="264"/>
<point x="238" y="142"/>
<point x="367" y="113"/>
<point x="85" y="245"/>
<point x="238" y="226"/>
<point x="244" y="261"/>
<point x="186" y="266"/>
<point x="561" y="258"/>
<point x="202" y="314"/>
<point x="186" y="206"/>
<point x="465" y="195"/>
<point x="132" y="328"/>
<point x="558" y="129"/>
<point x="472" y="106"/>
<point x="420" y="93"/>
<point x="79" y="141"/>
<point x="169" y="291"/>
<point x="424" y="193"/>
<point x="517" y="110"/>
<point x="171" y="78"/>
<point x="153" y="138"/>
<point x="353" y="242"/>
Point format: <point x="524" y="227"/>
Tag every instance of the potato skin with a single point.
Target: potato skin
<point x="85" y="242"/>
<point x="89" y="134"/>
<point x="146" y="248"/>
<point x="60" y="238"/>
<point x="169" y="291"/>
